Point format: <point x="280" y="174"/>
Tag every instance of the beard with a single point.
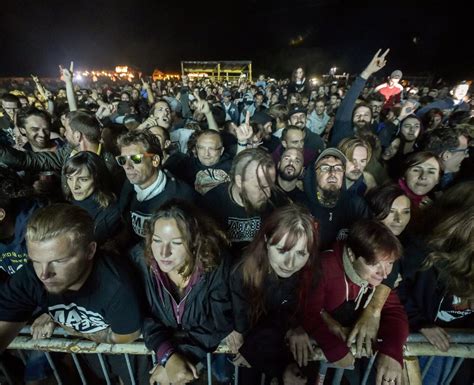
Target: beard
<point x="254" y="208"/>
<point x="288" y="177"/>
<point x="362" y="126"/>
<point x="354" y="175"/>
<point x="329" y="196"/>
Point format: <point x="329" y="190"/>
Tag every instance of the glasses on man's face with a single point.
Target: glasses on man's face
<point x="136" y="159"/>
<point x="210" y="149"/>
<point x="464" y="150"/>
<point x="326" y="168"/>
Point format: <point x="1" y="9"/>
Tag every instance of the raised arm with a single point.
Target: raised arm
<point x="343" y="123"/>
<point x="67" y="76"/>
<point x="46" y="94"/>
<point x="204" y="108"/>
<point x="149" y="93"/>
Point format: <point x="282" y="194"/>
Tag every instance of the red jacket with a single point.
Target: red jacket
<point x="331" y="294"/>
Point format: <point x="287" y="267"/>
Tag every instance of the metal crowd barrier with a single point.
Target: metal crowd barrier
<point x="462" y="347"/>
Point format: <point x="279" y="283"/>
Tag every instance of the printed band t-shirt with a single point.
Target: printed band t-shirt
<point x="107" y="298"/>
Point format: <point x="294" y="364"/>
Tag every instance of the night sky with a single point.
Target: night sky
<point x="35" y="36"/>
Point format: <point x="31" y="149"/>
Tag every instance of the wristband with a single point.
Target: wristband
<point x="242" y="144"/>
<point x="166" y="357"/>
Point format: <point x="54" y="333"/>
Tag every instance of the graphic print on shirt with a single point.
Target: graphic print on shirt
<point x="452" y="310"/>
<point x="243" y="229"/>
<point x="11" y="262"/>
<point x="138" y="222"/>
<point x="206" y="180"/>
<point x="78" y="318"/>
<point x="342" y="234"/>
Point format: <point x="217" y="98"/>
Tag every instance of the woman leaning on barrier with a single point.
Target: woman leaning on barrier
<point x="351" y="271"/>
<point x="441" y="296"/>
<point x="266" y="288"/>
<point x="186" y="272"/>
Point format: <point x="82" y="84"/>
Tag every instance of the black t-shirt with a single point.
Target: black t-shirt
<point x="336" y="221"/>
<point x="296" y="195"/>
<point x="271" y="144"/>
<point x="240" y="227"/>
<point x="139" y="212"/>
<point x="204" y="178"/>
<point x="108" y="298"/>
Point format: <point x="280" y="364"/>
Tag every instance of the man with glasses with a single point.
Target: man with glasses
<point x="148" y="186"/>
<point x="452" y="147"/>
<point x="208" y="165"/>
<point x="336" y="209"/>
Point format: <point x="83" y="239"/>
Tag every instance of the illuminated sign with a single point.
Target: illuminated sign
<point x="121" y="69"/>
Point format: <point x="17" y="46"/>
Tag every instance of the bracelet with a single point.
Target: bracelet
<point x="242" y="144"/>
<point x="166" y="357"/>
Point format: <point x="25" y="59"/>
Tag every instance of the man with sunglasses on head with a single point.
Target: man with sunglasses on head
<point x="336" y="209"/>
<point x="147" y="186"/>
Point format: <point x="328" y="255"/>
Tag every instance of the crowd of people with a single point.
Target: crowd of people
<point x="267" y="215"/>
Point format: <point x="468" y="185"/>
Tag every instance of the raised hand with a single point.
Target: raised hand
<point x="376" y="64"/>
<point x="145" y="85"/>
<point x="244" y="132"/>
<point x="67" y="73"/>
<point x="35" y="79"/>
<point x="202" y="106"/>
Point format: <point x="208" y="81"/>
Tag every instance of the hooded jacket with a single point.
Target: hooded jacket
<point x="335" y="290"/>
<point x="206" y="319"/>
<point x="335" y="221"/>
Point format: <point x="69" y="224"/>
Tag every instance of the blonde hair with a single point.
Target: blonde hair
<point x="60" y="219"/>
<point x="348" y="145"/>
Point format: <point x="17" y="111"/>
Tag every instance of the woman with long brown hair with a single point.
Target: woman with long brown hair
<point x="267" y="288"/>
<point x="441" y="296"/>
<point x="185" y="271"/>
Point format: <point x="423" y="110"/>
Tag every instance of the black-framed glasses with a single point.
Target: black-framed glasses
<point x="136" y="159"/>
<point x="326" y="168"/>
<point x="465" y="150"/>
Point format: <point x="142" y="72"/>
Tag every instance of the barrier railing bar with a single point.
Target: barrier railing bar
<point x="53" y="367"/>
<point x="79" y="369"/>
<point x="129" y="367"/>
<point x="5" y="374"/>
<point x="236" y="375"/>
<point x="338" y="376"/>
<point x="77" y="346"/>
<point x="209" y="369"/>
<point x="369" y="368"/>
<point x="104" y="369"/>
<point x="90" y="347"/>
<point x="454" y="370"/>
<point x="427" y="367"/>
<point x="22" y="356"/>
<point x="323" y="369"/>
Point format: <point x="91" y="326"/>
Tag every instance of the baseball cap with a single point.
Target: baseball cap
<point x="397" y="74"/>
<point x="261" y="117"/>
<point x="295" y="109"/>
<point x="331" y="151"/>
